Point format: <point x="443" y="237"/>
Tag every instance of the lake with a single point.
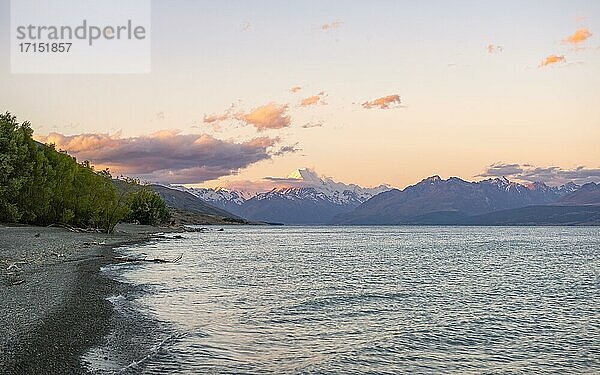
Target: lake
<point x="380" y="300"/>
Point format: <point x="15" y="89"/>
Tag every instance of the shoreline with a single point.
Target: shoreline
<point x="54" y="296"/>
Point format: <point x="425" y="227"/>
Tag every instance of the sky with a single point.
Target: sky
<point x="363" y="92"/>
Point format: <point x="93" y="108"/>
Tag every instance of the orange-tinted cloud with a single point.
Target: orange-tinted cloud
<point x="385" y="102"/>
<point x="329" y="26"/>
<point x="580" y="36"/>
<point x="494" y="49"/>
<point x="269" y="116"/>
<point x="312" y="100"/>
<point x="295" y="89"/>
<point x="552" y="59"/>
<point x="168" y="156"/>
<point x="216" y="118"/>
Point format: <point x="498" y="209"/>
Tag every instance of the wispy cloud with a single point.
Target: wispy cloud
<point x="216" y="118"/>
<point x="552" y="59"/>
<point x="309" y="125"/>
<point x="290" y="149"/>
<point x="269" y="116"/>
<point x="552" y="175"/>
<point x="386" y="102"/>
<point x="246" y="26"/>
<point x="330" y="26"/>
<point x="167" y="156"/>
<point x="580" y="36"/>
<point x="494" y="49"/>
<point x="269" y="183"/>
<point x="313" y="100"/>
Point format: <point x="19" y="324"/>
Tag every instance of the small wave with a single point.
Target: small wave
<point x="152" y="352"/>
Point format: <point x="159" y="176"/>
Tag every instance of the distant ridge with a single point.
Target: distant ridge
<point x="310" y="199"/>
<point x="585" y="195"/>
<point x="306" y="199"/>
<point x="436" y="201"/>
<point x="188" y="209"/>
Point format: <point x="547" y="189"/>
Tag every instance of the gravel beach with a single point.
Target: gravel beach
<point x="53" y="305"/>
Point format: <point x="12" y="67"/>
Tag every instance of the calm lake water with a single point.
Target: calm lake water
<point x="373" y="300"/>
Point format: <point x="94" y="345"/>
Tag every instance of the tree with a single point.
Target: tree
<point x="147" y="207"/>
<point x="41" y="185"/>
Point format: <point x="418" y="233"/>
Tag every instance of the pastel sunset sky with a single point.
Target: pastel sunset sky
<point x="367" y="92"/>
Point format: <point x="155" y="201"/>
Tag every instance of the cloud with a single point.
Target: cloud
<point x="385" y="102"/>
<point x="295" y="89"/>
<point x="502" y="170"/>
<point x="494" y="49"/>
<point x="247" y="186"/>
<point x="216" y="118"/>
<point x="309" y="125"/>
<point x="330" y="26"/>
<point x="580" y="36"/>
<point x="552" y="175"/>
<point x="270" y="183"/>
<point x="166" y="156"/>
<point x="552" y="59"/>
<point x="312" y="100"/>
<point x="287" y="150"/>
<point x="269" y="116"/>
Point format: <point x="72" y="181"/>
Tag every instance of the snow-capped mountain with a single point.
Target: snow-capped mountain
<point x="306" y="184"/>
<point x="438" y="201"/>
<point x="229" y="200"/>
<point x="305" y="198"/>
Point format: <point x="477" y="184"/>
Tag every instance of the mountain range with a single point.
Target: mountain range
<point x="307" y="199"/>
<point x="310" y="199"/>
<point x="452" y="201"/>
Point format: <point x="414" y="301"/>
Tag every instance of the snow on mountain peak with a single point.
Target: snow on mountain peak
<point x="301" y="183"/>
<point x="306" y="182"/>
<point x="304" y="174"/>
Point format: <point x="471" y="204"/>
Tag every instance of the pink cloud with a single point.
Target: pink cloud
<point x="167" y="156"/>
<point x="385" y="102"/>
<point x="269" y="116"/>
<point x="313" y="100"/>
<point x="494" y="49"/>
<point x="329" y="26"/>
<point x="216" y="118"/>
<point x="552" y="59"/>
<point x="580" y="36"/>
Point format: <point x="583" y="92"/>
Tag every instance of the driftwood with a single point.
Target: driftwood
<point x="15" y="265"/>
<point x="151" y="260"/>
<point x="86" y="244"/>
<point x="76" y="229"/>
<point x="192" y="229"/>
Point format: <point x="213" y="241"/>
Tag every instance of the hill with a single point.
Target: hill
<point x="311" y="199"/>
<point x="451" y="201"/>
<point x="188" y="209"/>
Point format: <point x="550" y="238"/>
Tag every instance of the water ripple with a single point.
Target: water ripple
<point x="377" y="300"/>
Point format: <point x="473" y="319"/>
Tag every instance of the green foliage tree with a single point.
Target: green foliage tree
<point x="147" y="207"/>
<point x="40" y="185"/>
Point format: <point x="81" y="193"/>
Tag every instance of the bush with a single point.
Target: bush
<point x="40" y="185"/>
<point x="147" y="207"/>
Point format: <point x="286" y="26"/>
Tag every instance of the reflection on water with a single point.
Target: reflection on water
<point x="376" y="300"/>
